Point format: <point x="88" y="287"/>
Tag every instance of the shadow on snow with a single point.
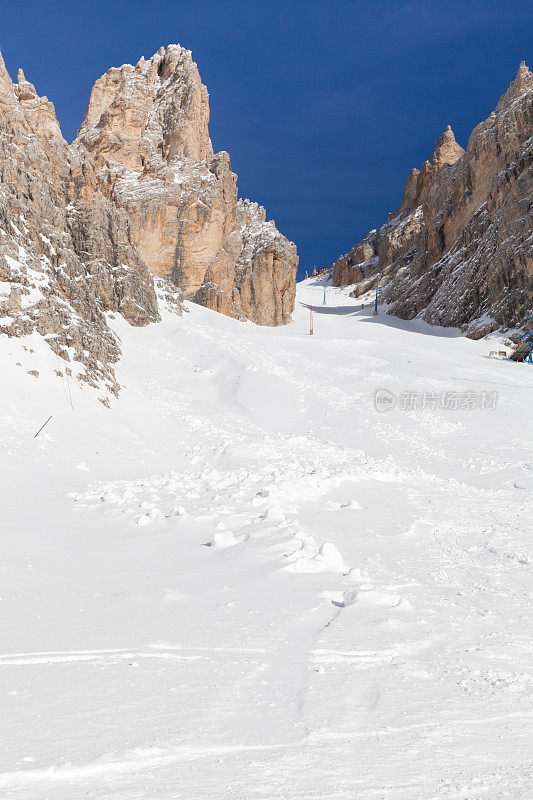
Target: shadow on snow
<point x="366" y="315"/>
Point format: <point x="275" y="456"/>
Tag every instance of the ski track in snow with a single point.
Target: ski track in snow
<point x="249" y="583"/>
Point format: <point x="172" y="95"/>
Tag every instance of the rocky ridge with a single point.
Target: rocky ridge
<point x="146" y="131"/>
<point x="458" y="252"/>
<point x="136" y="212"/>
<point x="67" y="254"/>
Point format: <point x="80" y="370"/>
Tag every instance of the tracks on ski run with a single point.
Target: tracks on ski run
<point x="259" y="587"/>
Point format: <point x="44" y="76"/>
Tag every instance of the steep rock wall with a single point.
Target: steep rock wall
<point x="459" y="250"/>
<point x="67" y="254"/>
<point x="146" y="132"/>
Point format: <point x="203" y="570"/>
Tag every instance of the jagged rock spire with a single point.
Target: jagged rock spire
<point x="157" y="110"/>
<point x="446" y="151"/>
<point x="24" y="89"/>
<point x="7" y="94"/>
<point x="523" y="79"/>
<point x="524" y="74"/>
<point x="522" y="82"/>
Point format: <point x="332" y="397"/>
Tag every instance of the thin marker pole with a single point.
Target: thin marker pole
<point x="324" y="303"/>
<point x="310" y="320"/>
<point x="42" y="426"/>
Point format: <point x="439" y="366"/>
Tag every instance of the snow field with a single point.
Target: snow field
<point x="242" y="581"/>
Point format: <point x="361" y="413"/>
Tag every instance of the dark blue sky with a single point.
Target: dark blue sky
<point x="324" y="107"/>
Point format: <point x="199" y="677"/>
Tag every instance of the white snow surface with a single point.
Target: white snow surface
<point x="241" y="581"/>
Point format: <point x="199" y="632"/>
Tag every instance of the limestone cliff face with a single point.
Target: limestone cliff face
<point x="251" y="278"/>
<point x="146" y="132"/>
<point x="459" y="251"/>
<point x="138" y="209"/>
<point x="154" y="112"/>
<point x="67" y="253"/>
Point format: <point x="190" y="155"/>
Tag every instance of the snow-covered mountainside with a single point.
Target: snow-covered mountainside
<point x="459" y="250"/>
<point x="243" y="580"/>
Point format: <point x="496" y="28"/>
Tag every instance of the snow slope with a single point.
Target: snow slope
<point x="242" y="581"/>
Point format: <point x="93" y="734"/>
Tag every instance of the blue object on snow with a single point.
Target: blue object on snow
<point x="528" y="337"/>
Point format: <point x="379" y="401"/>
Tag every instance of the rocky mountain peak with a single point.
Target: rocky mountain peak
<point x="146" y="131"/>
<point x="150" y="113"/>
<point x="38" y="112"/>
<point x="23" y="88"/>
<point x="67" y="255"/>
<point x="522" y="83"/>
<point x="7" y="94"/>
<point x="447" y="150"/>
<point x="458" y="250"/>
<point x="524" y="76"/>
<point x="84" y="228"/>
